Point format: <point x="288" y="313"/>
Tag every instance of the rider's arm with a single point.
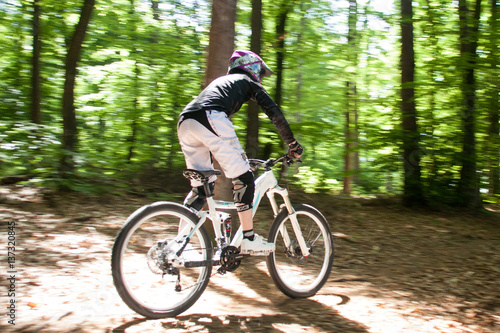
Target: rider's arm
<point x="273" y="111"/>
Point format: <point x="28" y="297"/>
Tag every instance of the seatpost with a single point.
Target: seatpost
<point x="208" y="192"/>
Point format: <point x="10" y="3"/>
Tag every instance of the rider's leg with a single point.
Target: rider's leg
<point x="243" y="191"/>
<point x="221" y="141"/>
<point x="192" y="137"/>
<point x="252" y="243"/>
<point x="197" y="198"/>
<point x="246" y="220"/>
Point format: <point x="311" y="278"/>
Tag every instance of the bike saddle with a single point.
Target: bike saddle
<point x="201" y="175"/>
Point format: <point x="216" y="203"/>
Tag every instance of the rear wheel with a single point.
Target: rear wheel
<point x="150" y="276"/>
<point x="294" y="274"/>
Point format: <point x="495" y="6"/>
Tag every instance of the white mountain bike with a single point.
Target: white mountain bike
<point x="163" y="256"/>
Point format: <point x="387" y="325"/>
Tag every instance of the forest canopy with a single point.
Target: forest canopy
<point x="141" y="61"/>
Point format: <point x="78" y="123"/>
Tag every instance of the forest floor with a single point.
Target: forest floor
<point x="395" y="270"/>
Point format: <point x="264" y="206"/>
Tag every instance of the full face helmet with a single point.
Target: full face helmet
<point x="251" y="63"/>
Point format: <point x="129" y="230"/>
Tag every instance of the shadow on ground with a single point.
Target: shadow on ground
<point x="395" y="270"/>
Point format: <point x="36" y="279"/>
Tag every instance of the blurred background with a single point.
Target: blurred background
<point x="387" y="98"/>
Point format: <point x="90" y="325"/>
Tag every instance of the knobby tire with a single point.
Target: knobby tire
<point x="150" y="224"/>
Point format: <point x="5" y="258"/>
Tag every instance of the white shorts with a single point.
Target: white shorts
<point x="197" y="142"/>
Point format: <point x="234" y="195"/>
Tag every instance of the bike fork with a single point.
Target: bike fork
<point x="293" y="219"/>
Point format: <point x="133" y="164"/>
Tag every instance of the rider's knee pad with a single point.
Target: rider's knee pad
<point x="244" y="194"/>
<point x="197" y="198"/>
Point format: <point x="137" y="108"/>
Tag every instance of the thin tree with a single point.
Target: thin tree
<point x="68" y="110"/>
<point x="36" y="113"/>
<point x="156" y="9"/>
<point x="494" y="118"/>
<point x="302" y="41"/>
<point x="134" y="112"/>
<point x="411" y="149"/>
<point x="351" y="109"/>
<point x="284" y="10"/>
<point x="468" y="186"/>
<point x="432" y="94"/>
<point x="220" y="48"/>
<point x="252" y="137"/>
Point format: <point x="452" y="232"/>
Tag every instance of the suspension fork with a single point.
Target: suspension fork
<point x="293" y="218"/>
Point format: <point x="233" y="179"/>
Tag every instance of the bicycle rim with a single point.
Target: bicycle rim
<point x="294" y="274"/>
<point x="144" y="263"/>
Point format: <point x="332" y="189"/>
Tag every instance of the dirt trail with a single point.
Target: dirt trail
<point x="395" y="271"/>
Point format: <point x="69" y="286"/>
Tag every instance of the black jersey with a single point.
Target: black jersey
<point x="228" y="93"/>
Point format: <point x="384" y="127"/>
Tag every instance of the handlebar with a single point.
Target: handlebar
<point x="255" y="164"/>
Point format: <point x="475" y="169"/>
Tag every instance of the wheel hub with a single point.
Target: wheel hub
<point x="158" y="261"/>
<point x="294" y="252"/>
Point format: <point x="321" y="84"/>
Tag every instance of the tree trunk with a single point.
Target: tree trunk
<point x="301" y="41"/>
<point x="68" y="110"/>
<point x="468" y="186"/>
<point x="432" y="69"/>
<point x="411" y="150"/>
<point x="252" y="137"/>
<point x="36" y="113"/>
<point x="493" y="130"/>
<point x="156" y="9"/>
<point x="285" y="8"/>
<point x="220" y="48"/>
<point x="134" y="113"/>
<point x="222" y="34"/>
<point x="351" y="100"/>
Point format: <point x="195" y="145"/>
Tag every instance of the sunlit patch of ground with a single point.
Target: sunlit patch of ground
<point x="395" y="271"/>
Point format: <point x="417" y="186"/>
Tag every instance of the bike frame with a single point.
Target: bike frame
<point x="264" y="184"/>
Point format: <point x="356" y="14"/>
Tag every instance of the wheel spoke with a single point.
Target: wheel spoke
<point x="295" y="274"/>
<point x="149" y="275"/>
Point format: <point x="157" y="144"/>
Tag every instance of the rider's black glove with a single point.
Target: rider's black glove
<point x="295" y="150"/>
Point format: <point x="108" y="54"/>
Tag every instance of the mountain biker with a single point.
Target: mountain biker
<point x="204" y="129"/>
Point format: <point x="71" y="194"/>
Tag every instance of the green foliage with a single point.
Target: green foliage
<point x="313" y="180"/>
<point x="140" y="66"/>
<point x="28" y="149"/>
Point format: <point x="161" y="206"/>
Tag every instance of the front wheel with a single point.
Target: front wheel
<point x="293" y="273"/>
<point x="151" y="275"/>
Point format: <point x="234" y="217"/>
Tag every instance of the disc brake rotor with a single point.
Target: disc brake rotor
<point x="158" y="261"/>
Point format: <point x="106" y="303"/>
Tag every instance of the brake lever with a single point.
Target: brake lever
<point x="289" y="161"/>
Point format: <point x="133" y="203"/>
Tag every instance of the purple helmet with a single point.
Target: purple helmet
<point x="251" y="63"/>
